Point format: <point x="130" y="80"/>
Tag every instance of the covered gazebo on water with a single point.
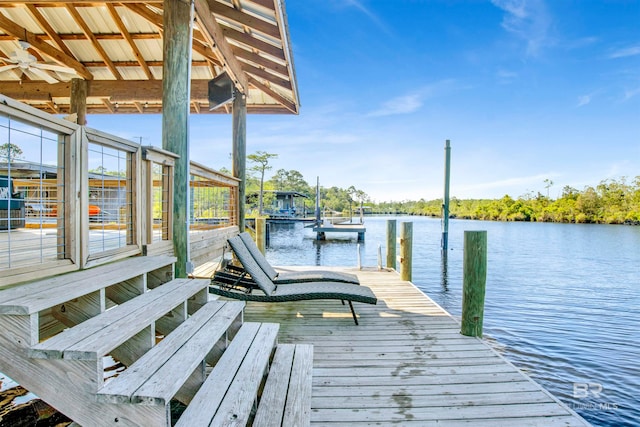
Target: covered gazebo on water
<point x="157" y="57"/>
<point x="99" y="233"/>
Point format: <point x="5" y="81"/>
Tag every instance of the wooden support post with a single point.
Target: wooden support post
<point x="445" y="201"/>
<point x="474" y="281"/>
<point x="406" y="246"/>
<point x="261" y="233"/>
<point x="78" y="100"/>
<point x="391" y="243"/>
<point x="239" y="136"/>
<point x="176" y="72"/>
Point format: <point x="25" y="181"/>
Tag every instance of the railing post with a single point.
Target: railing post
<point x="474" y="282"/>
<point x="406" y="244"/>
<point x="391" y="243"/>
<point x="261" y="233"/>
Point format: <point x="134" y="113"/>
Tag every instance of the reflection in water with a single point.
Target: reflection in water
<point x="543" y="317"/>
<point x="444" y="282"/>
<point x="318" y="252"/>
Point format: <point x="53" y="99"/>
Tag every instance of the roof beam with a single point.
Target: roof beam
<point x="287" y="103"/>
<point x="197" y="44"/>
<point x="215" y="38"/>
<point x="260" y="60"/>
<point x="96" y="44"/>
<point x="264" y="3"/>
<point x="253" y="42"/>
<point x="259" y="72"/>
<point x="134" y="48"/>
<point x="242" y="18"/>
<point x="54" y="3"/>
<point x="113" y="90"/>
<point x="60" y="57"/>
<point x="48" y="29"/>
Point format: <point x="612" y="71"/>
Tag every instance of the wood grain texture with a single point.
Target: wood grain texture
<point x="406" y="364"/>
<point x="228" y="394"/>
<point x="97" y="336"/>
<point x="45" y="293"/>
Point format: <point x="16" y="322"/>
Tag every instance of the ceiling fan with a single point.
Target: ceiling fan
<point x="28" y="64"/>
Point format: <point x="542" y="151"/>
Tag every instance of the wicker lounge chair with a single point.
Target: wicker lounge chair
<point x="293" y="276"/>
<point x="270" y="292"/>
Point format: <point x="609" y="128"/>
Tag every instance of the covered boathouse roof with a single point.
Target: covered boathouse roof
<point x="117" y="47"/>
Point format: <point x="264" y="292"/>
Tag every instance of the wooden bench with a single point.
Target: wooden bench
<point x="230" y="392"/>
<point x="56" y="303"/>
<point x="99" y="335"/>
<point x="41" y="294"/>
<point x="156" y="377"/>
<point x="286" y="398"/>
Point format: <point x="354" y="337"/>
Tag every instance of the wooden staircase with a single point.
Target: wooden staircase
<point x="173" y="341"/>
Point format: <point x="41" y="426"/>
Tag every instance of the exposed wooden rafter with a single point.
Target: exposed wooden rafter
<point x="289" y="104"/>
<point x="256" y="24"/>
<point x="253" y="42"/>
<point x="53" y="35"/>
<point x="96" y="44"/>
<point x="215" y="38"/>
<point x="132" y="44"/>
<point x="112" y="41"/>
<point x="22" y="33"/>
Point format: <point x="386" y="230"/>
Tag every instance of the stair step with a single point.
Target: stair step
<point x="158" y="375"/>
<point x="230" y="391"/>
<point x="99" y="335"/>
<point x="286" y="398"/>
<point x="42" y="294"/>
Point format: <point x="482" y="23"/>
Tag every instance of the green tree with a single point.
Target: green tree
<point x="10" y="152"/>
<point x="261" y="164"/>
<point x="548" y="185"/>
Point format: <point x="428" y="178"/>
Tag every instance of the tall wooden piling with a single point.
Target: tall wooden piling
<point x="261" y="233"/>
<point x="391" y="243"/>
<point x="239" y="137"/>
<point x="406" y="246"/>
<point x="445" y="200"/>
<point x="176" y="92"/>
<point x="474" y="282"/>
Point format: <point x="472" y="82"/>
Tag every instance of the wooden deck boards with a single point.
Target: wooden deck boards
<point x="406" y="364"/>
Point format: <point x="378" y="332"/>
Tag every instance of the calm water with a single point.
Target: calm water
<point x="562" y="300"/>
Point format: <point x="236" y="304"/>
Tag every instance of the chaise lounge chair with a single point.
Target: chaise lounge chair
<point x="270" y="292"/>
<point x="292" y="276"/>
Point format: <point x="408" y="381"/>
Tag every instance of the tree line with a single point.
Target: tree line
<point x="610" y="202"/>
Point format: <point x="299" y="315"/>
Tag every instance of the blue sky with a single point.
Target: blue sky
<point x="526" y="90"/>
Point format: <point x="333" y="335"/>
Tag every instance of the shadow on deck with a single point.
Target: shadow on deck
<point x="406" y="364"/>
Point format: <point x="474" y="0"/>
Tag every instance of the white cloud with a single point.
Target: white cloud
<point x="506" y="77"/>
<point x="411" y="102"/>
<point x="405" y="104"/>
<point x="366" y="11"/>
<point x="508" y="182"/>
<point x="625" y="52"/>
<point x="528" y="20"/>
<point x="584" y="100"/>
<point x="631" y="93"/>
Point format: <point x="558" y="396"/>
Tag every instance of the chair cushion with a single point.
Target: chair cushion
<point x="251" y="266"/>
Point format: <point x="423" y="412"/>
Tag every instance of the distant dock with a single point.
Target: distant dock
<point x="322" y="229"/>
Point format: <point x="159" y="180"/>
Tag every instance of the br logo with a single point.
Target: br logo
<point x="583" y="390"/>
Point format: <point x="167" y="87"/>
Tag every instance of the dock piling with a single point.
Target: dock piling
<point x="445" y="200"/>
<point x="474" y="282"/>
<point x="261" y="233"/>
<point x="391" y="244"/>
<point x="406" y="246"/>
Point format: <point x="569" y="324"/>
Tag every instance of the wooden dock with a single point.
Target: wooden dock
<point x="322" y="230"/>
<point x="406" y="364"/>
